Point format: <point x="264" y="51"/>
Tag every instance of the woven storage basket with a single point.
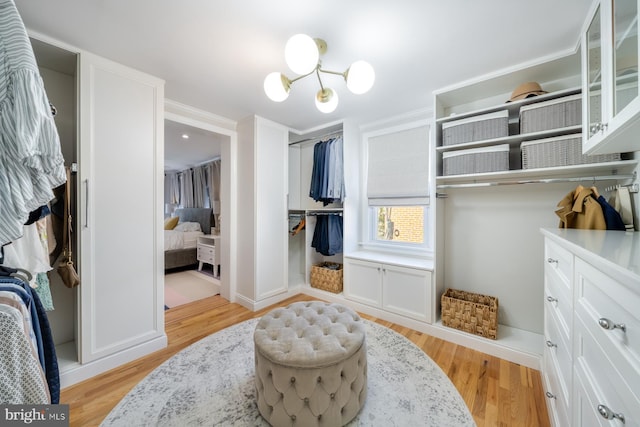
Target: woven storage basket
<point x="469" y="312"/>
<point x="559" y="151"/>
<point x="325" y="278"/>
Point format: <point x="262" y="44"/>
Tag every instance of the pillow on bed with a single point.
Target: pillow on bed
<point x="188" y="226"/>
<point x="170" y="223"/>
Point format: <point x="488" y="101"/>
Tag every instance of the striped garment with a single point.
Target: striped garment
<point x="31" y="162"/>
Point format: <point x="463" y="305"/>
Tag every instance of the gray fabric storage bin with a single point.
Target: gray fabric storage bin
<point x="553" y="114"/>
<point x="563" y="150"/>
<point x="476" y="128"/>
<point x="476" y="160"/>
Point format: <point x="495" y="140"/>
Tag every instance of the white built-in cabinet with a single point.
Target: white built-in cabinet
<point x="262" y="212"/>
<point x="611" y="117"/>
<point x="118" y="307"/>
<point x="591" y="363"/>
<point x="400" y="289"/>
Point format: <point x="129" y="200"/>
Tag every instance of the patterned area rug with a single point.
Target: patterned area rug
<point x="211" y="382"/>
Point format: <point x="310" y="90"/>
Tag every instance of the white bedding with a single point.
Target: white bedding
<point x="175" y="239"/>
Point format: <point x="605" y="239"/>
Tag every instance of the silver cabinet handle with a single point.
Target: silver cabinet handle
<point x="551" y="261"/>
<point x="608" y="414"/>
<point x="552" y="299"/>
<point x="550" y="344"/>
<point x="379" y="269"/>
<point x="86" y="203"/>
<point x="550" y="395"/>
<point x="609" y="325"/>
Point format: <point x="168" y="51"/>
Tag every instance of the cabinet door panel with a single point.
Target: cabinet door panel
<point x="407" y="291"/>
<point x="121" y="158"/>
<point x="363" y="282"/>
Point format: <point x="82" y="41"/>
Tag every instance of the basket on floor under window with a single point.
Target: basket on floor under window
<point x="469" y="312"/>
<point x="327" y="276"/>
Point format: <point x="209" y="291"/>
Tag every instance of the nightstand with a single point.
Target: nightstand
<point x="208" y="253"/>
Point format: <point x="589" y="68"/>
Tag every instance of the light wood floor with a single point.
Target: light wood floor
<point x="497" y="392"/>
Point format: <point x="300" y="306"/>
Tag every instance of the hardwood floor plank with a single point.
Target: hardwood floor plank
<point x="498" y="392"/>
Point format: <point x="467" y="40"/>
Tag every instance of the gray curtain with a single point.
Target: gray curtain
<point x="186" y="189"/>
<point x="199" y="186"/>
<point x="171" y="188"/>
<point x="213" y="181"/>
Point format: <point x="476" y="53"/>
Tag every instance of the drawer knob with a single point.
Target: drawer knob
<point x="550" y="344"/>
<point x="552" y="299"/>
<point x="608" y="414"/>
<point x="550" y="395"/>
<point x="609" y="325"/>
<point x="551" y="261"/>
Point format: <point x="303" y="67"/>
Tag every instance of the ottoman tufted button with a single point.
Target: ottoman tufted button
<point x="293" y="379"/>
<point x="319" y="379"/>
<point x="306" y="400"/>
<point x="319" y="417"/>
<point x="293" y="417"/>
<point x="332" y="395"/>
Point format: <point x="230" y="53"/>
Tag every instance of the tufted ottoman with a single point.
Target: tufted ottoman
<point x="311" y="365"/>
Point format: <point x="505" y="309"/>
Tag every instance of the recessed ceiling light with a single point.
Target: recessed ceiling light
<point x="185" y="136"/>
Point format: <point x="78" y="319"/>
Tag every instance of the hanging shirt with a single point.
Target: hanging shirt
<point x="31" y="162"/>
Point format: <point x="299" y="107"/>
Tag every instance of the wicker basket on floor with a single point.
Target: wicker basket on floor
<point x="327" y="279"/>
<point x="469" y="312"/>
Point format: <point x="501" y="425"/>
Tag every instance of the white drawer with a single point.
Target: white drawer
<point x="556" y="400"/>
<point x="559" y="299"/>
<point x="585" y="411"/>
<point x="558" y="349"/>
<point x="206" y="254"/>
<point x="558" y="261"/>
<point x="600" y="299"/>
<point x="603" y="383"/>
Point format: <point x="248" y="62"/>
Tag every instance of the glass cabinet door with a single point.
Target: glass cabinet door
<point x="594" y="73"/>
<point x="625" y="53"/>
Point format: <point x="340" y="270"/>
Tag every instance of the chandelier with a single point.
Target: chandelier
<point x="302" y="54"/>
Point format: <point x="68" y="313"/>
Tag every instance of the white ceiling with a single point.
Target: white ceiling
<point x="214" y="54"/>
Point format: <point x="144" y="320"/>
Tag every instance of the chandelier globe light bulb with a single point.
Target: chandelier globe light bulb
<point x="360" y="77"/>
<point x="277" y="86"/>
<point x="301" y="54"/>
<point x="326" y="100"/>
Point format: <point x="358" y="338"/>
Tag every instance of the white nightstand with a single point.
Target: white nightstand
<point x="208" y="252"/>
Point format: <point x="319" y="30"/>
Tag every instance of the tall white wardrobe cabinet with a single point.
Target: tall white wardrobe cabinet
<point x="111" y="124"/>
<point x="262" y="212"/>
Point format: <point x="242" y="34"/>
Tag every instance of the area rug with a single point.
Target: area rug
<point x="211" y="383"/>
<point x="188" y="286"/>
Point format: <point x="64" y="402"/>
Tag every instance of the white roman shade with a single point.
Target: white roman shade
<point x="398" y="172"/>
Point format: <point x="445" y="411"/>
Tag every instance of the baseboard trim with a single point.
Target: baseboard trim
<point x="75" y="372"/>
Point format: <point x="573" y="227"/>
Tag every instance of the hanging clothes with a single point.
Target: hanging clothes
<point x="579" y="209"/>
<point x="327" y="174"/>
<point x="31" y="162"/>
<point x="327" y="236"/>
<point x="612" y="218"/>
<point x="39" y="338"/>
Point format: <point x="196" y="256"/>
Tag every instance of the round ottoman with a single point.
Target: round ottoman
<point x="311" y="365"/>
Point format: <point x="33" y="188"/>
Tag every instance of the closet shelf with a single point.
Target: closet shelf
<point x="619" y="170"/>
<point x="512" y="140"/>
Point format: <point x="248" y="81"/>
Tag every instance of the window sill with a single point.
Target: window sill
<point x="399" y="258"/>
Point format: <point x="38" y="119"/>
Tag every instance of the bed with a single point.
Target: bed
<point x="180" y="243"/>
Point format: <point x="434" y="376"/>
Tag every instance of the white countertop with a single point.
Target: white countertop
<point x="616" y="251"/>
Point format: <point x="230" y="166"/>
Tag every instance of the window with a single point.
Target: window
<point x="398" y="187"/>
<point x="401" y="224"/>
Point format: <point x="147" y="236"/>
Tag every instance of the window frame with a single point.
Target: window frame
<point x="369" y="220"/>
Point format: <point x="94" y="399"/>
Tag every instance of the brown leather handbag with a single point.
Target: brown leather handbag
<point x="66" y="269"/>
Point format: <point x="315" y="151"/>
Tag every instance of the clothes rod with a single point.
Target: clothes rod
<point x="318" y="138"/>
<point x="318" y="213"/>
<point x="538" y="181"/>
